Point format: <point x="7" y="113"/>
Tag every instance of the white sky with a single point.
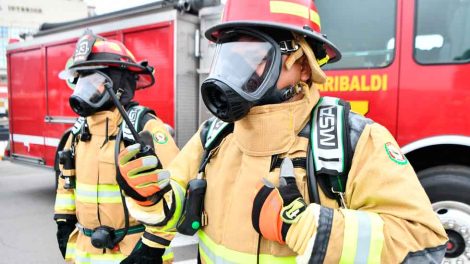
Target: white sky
<point x="106" y="6"/>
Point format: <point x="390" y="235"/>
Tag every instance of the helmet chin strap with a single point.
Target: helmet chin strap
<point x="277" y="96"/>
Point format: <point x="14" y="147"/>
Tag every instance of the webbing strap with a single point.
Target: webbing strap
<point x="212" y="133"/>
<point x="135" y="114"/>
<point x="78" y="125"/>
<point x="329" y="141"/>
<point x="119" y="232"/>
<point x="216" y="127"/>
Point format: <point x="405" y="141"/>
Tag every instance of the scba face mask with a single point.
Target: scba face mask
<point x="90" y="95"/>
<point x="244" y="73"/>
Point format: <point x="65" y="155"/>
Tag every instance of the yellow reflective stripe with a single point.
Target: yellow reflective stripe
<point x="289" y="8"/>
<point x="70" y="252"/>
<point x="64" y="201"/>
<point x="377" y="239"/>
<point x="363" y="237"/>
<point x="212" y="252"/>
<point x="204" y="256"/>
<point x="179" y="193"/>
<point x="82" y="257"/>
<point x="283" y="7"/>
<point x="350" y="237"/>
<point x="168" y="254"/>
<point x="102" y="193"/>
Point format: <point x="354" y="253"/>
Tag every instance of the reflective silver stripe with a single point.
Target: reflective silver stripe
<point x="363" y="237"/>
<point x="103" y="193"/>
<point x="64" y="202"/>
<point x="214" y="258"/>
<point x="100" y="193"/>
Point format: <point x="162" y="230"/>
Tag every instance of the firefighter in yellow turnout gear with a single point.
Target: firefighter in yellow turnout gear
<point x="291" y="177"/>
<point x="93" y="223"/>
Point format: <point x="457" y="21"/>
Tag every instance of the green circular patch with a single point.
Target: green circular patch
<point x="160" y="137"/>
<point x="394" y="153"/>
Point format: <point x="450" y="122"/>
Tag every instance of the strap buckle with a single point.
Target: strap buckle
<point x="342" y="199"/>
<point x="288" y="46"/>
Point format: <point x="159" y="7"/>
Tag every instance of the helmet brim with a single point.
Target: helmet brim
<point x="332" y="50"/>
<point x="145" y="79"/>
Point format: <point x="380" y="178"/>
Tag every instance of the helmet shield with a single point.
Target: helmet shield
<point x="90" y="93"/>
<point x="248" y="62"/>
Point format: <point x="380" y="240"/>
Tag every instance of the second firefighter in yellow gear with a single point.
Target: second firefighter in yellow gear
<point x="260" y="204"/>
<point x="93" y="224"/>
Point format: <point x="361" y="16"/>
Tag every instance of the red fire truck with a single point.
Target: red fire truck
<point x="406" y="65"/>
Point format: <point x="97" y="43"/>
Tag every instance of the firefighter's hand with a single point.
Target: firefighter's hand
<point x="275" y="209"/>
<point x="143" y="254"/>
<point x="141" y="179"/>
<point x="64" y="229"/>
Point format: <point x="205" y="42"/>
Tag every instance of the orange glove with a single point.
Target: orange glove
<point x="276" y="208"/>
<point x="141" y="179"/>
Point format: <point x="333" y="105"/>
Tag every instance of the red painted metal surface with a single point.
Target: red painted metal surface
<point x="420" y="101"/>
<point x="27" y="104"/>
<point x="434" y="99"/>
<point x="155" y="44"/>
<point x="375" y="90"/>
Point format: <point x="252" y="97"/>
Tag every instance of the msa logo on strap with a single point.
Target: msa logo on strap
<point x="327" y="129"/>
<point x="327" y="143"/>
<point x="78" y="125"/>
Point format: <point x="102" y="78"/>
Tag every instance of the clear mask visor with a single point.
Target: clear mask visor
<point x="243" y="62"/>
<point x="91" y="88"/>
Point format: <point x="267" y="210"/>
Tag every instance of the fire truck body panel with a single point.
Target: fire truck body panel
<point x="27" y="123"/>
<point x="434" y="97"/>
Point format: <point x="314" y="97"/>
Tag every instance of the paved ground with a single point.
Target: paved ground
<point x="27" y="231"/>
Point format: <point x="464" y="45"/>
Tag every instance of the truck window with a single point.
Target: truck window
<point x="363" y="30"/>
<point x="442" y="31"/>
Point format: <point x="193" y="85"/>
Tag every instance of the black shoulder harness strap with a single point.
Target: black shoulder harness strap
<point x="136" y="114"/>
<point x="212" y="133"/>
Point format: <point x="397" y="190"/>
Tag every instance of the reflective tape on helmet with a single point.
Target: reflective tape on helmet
<point x="64" y="201"/>
<point x="102" y="193"/>
<point x="214" y="253"/>
<point x="284" y="7"/>
<point x="363" y="237"/>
